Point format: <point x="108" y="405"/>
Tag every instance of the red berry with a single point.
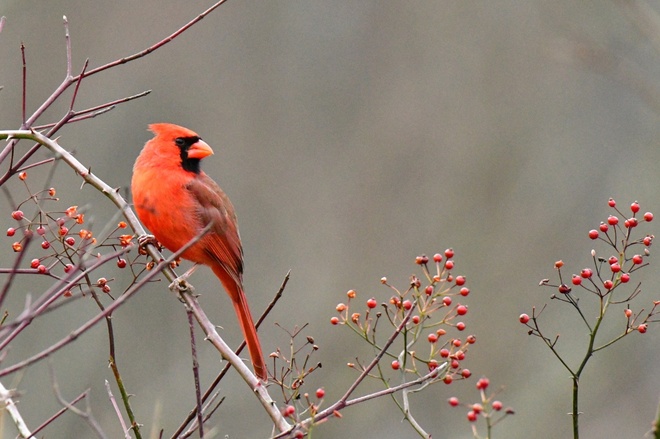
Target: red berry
<point x="564" y="289"/>
<point x="648" y="217"/>
<point x="334" y="320"/>
<point x="35" y="263"/>
<point x="444" y="353"/>
<point x="634" y="207"/>
<point x="460" y="355"/>
<point x="433" y="365"/>
<point x="603" y="227"/>
<point x="608" y="284"/>
<point x="42" y="269"/>
<point x="437" y="257"/>
<point x="68" y="268"/>
<point x="647" y="240"/>
<point x="289" y="411"/>
<point x="612" y="220"/>
<point x="465" y="373"/>
<point x="449" y="253"/>
<point x="41" y="230"/>
<point x="63" y="231"/>
<point x="559" y="264"/>
<point x="483" y="383"/>
<point x="447" y="300"/>
<point x="642" y="328"/>
<point x="433" y="337"/>
<point x="477" y="408"/>
<point x="415" y="319"/>
<point x="455" y="363"/>
<point x="612" y="260"/>
<point x="471" y="339"/>
<point x="586" y="273"/>
<point x="576" y="280"/>
<point x="121" y="263"/>
<point x="460" y="280"/>
<point x="17" y="247"/>
<point x="625" y="277"/>
<point x="429" y="290"/>
<point x="11" y="231"/>
<point x="419" y="260"/>
<point x="371" y="303"/>
<point x="471" y="416"/>
<point x="460" y="326"/>
<point x="497" y="405"/>
<point x="615" y="268"/>
<point x="631" y="222"/>
<point x="611" y="202"/>
<point x="395" y="365"/>
<point x="456" y="342"/>
<point x="17" y="215"/>
<point x="449" y="264"/>
<point x="637" y="259"/>
<point x="628" y="312"/>
<point x="593" y="234"/>
<point x="407" y="304"/>
<point x="524" y="318"/>
<point x="320" y="393"/>
<point x="70" y="241"/>
<point x="461" y="310"/>
<point x="440" y="332"/>
<point x="45" y="245"/>
<point x="465" y="291"/>
<point x="448" y="379"/>
<point x="453" y="401"/>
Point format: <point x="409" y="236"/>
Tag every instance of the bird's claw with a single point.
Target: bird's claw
<point x="181" y="286"/>
<point x="144" y="240"/>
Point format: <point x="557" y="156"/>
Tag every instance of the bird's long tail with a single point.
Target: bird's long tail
<point x="239" y="300"/>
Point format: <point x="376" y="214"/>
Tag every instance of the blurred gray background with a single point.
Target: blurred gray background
<point x="353" y="136"/>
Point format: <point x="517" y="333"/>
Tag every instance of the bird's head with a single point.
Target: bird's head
<point x="173" y="141"/>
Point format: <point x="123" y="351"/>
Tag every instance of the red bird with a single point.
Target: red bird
<point x="175" y="200"/>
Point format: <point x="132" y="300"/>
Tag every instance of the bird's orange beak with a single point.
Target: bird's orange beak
<point x="199" y="150"/>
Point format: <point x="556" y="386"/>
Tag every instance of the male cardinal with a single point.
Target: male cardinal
<point x="176" y="200"/>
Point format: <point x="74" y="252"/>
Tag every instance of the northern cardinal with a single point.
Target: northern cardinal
<point x="175" y="200"/>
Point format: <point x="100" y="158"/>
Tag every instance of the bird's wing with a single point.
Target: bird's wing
<point x="223" y="242"/>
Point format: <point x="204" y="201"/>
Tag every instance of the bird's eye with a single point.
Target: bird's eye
<point x="180" y="141"/>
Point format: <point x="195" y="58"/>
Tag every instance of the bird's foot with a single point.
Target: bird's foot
<point x="144" y="240"/>
<point x="181" y="285"/>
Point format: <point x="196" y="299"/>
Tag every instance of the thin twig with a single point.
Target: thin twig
<point x="198" y="395"/>
<point x="115" y="406"/>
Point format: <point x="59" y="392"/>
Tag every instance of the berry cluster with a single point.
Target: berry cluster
<point x="609" y="273"/>
<point x="607" y="281"/>
<point x="488" y="408"/>
<point x="428" y="304"/>
<point x="63" y="240"/>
